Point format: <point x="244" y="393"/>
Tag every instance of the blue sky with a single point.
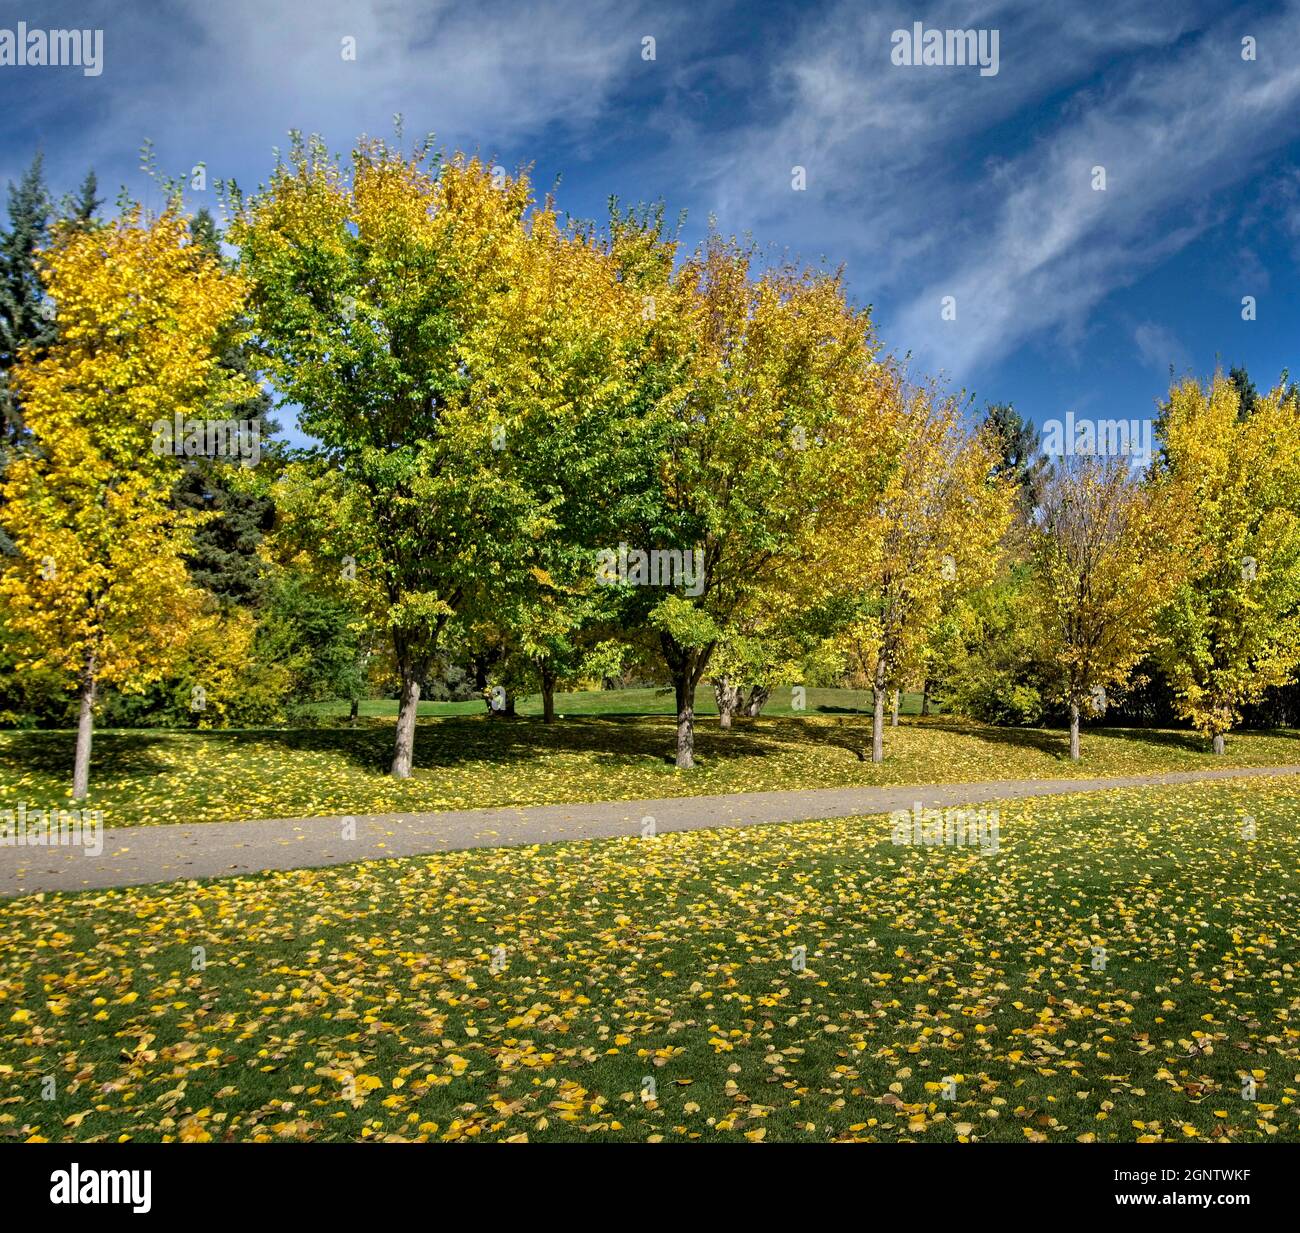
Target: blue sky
<point x="923" y="182"/>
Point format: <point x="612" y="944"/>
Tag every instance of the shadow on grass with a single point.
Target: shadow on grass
<point x="1194" y="742"/>
<point x="1189" y="742"/>
<point x="440" y="743"/>
<point x="1053" y="743"/>
<point x="131" y="753"/>
<point x="607" y="739"/>
<point x="445" y="743"/>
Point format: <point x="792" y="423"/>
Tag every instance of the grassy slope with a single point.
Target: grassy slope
<point x="150" y="776"/>
<point x="361" y="1001"/>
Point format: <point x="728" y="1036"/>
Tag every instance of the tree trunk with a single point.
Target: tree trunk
<point x="353" y="711"/>
<point x="548" y="696"/>
<point x="925" y="697"/>
<point x="878" y="719"/>
<point x="1074" y="732"/>
<point x="1218" y="742"/>
<point x="406" y="711"/>
<point x="758" y="696"/>
<point x="85" y="731"/>
<point x="685" y="722"/>
<point x="893" y="718"/>
<point x="728" y="698"/>
<point x="686" y="667"/>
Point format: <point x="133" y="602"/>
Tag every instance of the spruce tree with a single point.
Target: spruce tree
<point x="224" y="557"/>
<point x="1020" y="452"/>
<point x="24" y="317"/>
<point x="79" y="208"/>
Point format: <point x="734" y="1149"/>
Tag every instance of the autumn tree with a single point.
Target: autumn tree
<point x="745" y="462"/>
<point x="311" y="559"/>
<point x="1233" y="628"/>
<point x="366" y="286"/>
<point x="391" y="299"/>
<point x="559" y="357"/>
<point x="98" y="590"/>
<point x="1108" y="556"/>
<point x="786" y="638"/>
<point x="934" y="528"/>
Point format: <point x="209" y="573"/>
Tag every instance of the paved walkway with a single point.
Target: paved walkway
<point x="142" y="854"/>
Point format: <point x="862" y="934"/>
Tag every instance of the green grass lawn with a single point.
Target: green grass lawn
<point x="631" y="702"/>
<point x="151" y="776"/>
<point x="364" y="1001"/>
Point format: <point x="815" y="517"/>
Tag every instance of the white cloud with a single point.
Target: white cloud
<point x="1159" y="348"/>
<point x="223" y="83"/>
<point x="1020" y="238"/>
<point x="926" y="182"/>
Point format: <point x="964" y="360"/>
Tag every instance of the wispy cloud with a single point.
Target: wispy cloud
<point x="939" y="182"/>
<point x="1056" y="246"/>
<point x="924" y="182"/>
<point x="1159" y="347"/>
<point x="222" y="83"/>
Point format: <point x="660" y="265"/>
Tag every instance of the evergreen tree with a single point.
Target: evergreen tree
<point x="204" y="231"/>
<point x="79" y="208"/>
<point x="316" y="636"/>
<point x="223" y="557"/>
<point x="24" y="319"/>
<point x="1249" y="397"/>
<point x="1246" y="391"/>
<point x="1020" y="452"/>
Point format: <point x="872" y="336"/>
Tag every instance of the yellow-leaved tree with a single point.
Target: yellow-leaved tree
<point x="762" y="384"/>
<point x="1233" y="628"/>
<point x="395" y="305"/>
<point x="98" y="590"/>
<point x="935" y="527"/>
<point x="1109" y="553"/>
